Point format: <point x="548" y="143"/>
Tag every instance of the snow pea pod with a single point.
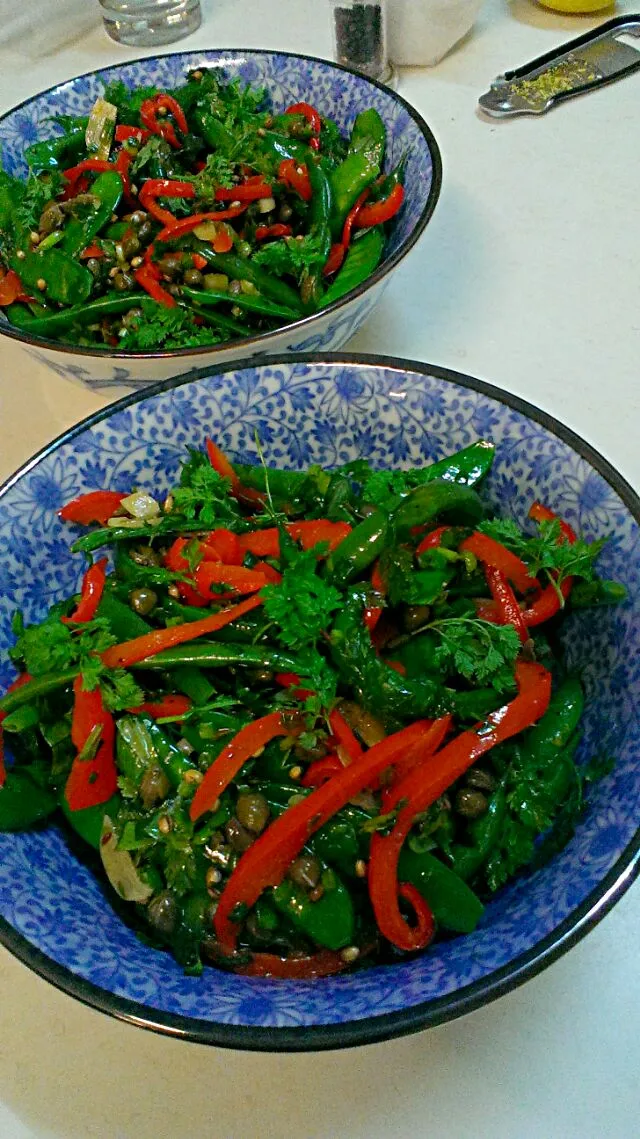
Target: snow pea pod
<point x="363" y="256"/>
<point x="466" y="467"/>
<point x="33" y="689"/>
<point x="552" y="733"/>
<point x="150" y="745"/>
<point x="319" y="215"/>
<point x="348" y="181"/>
<point x="246" y="301"/>
<point x="80" y="231"/>
<point x="23" y="802"/>
<point x="244" y="270"/>
<point x="368" y="137"/>
<point x="90" y="313"/>
<point x="337" y="843"/>
<point x="65" y="280"/>
<point x="88" y="822"/>
<point x="599" y="592"/>
<point x="50" y="153"/>
<point x="437" y="500"/>
<point x="454" y="905"/>
<point x="358" y="550"/>
<point x="329" y="921"/>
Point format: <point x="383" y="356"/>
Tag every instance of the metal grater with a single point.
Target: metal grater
<point x="587" y="62"/>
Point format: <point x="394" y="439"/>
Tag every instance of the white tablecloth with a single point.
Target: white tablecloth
<point x="527" y="277"/>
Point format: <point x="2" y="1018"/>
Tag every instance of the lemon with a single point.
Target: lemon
<point x="577" y="6"/>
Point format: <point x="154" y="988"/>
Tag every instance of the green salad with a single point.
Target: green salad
<point x="186" y="218"/>
<point x="306" y="721"/>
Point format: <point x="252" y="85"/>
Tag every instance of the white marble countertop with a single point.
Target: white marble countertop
<point x="527" y="277"/>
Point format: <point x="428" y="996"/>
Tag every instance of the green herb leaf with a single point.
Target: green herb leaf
<point x="478" y="651"/>
<point x="203" y="495"/>
<point x="302" y="603"/>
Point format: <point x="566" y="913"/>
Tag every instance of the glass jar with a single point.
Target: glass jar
<point x="360" y="37"/>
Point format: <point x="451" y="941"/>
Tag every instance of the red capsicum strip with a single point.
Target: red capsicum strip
<point x="140" y="648"/>
<point x="95" y="506"/>
<point x="296" y="177"/>
<point x="237" y="578"/>
<point x="222" y="545"/>
<point x="373" y="613"/>
<point x="494" y="554"/>
<point x="221" y="464"/>
<point x="379" y="212"/>
<point x="91" y="781"/>
<point x="90" y="593"/>
<point x="267" y="860"/>
<point x="313" y="118"/>
<point x="11" y="289"/>
<point x="509" y="611"/>
<point x="148" y="280"/>
<point x="334" y="260"/>
<point x="94" y="165"/>
<point x="277" y="230"/>
<point x="17" y="683"/>
<point x="174" y="704"/>
<point x="344" y="737"/>
<point x="164" y="188"/>
<point x="322" y="964"/>
<point x="266" y="543"/>
<point x="432" y="540"/>
<point x="320" y="770"/>
<point x="178" y="227"/>
<point x="226" y="766"/>
<point x="249" y="191"/>
<point x="124" y="132"/>
<point x="175" y="560"/>
<point x="426" y="782"/>
<point x="292" y="680"/>
<point x="149" y="115"/>
<point x="540" y="513"/>
<point x="352" y="218"/>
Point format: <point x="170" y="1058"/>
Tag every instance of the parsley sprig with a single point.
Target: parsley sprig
<point x="480" y="652"/>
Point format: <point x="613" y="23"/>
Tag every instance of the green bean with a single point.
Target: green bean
<point x="244" y="270"/>
<point x="34" y="689"/>
<point x="214" y="655"/>
<point x="436" y="501"/>
<point x="247" y="301"/>
<point x="358" y="550"/>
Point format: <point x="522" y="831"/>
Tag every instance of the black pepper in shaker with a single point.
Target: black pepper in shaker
<point x="360" y="37"/>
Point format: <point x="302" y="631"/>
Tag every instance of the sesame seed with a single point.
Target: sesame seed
<point x="20" y="254"/>
<point x="136" y="262"/>
<point x="41" y="284"/>
<point x="194" y="776"/>
<point x="173" y="590"/>
<point x="361" y="868"/>
<point x="235" y="204"/>
<point x="316" y="894"/>
<point x="213" y="876"/>
<point x="164" y="824"/>
<point x="114" y="272"/>
<point x="295" y="772"/>
<point x="197" y="75"/>
<point x="167" y="505"/>
<point x="34" y="236"/>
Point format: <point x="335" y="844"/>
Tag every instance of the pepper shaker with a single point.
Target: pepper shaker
<point x="360" y="37"/>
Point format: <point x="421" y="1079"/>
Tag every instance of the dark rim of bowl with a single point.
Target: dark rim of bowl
<point x="264" y="338"/>
<point x="369" y="1030"/>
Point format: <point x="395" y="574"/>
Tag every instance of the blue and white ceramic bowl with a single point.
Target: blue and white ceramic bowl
<point x="54" y="914"/>
<point x="338" y="93"/>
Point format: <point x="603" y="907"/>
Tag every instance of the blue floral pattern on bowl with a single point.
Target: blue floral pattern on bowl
<point x="337" y="92"/>
<point x="55" y="914"/>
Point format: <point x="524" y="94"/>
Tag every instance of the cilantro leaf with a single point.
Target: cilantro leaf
<point x="39" y="190"/>
<point x="290" y="256"/>
<point x="302" y="603"/>
<point x="217" y="172"/>
<point x="203" y="495"/>
<point x="166" y="328"/>
<point x="480" y="652"/>
<point x="548" y="550"/>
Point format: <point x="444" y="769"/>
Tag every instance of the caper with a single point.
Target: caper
<point x="143" y="600"/>
<point x="243" y="249"/>
<point x="52" y="217"/>
<point x="171" y="264"/>
<point x="174" y="290"/>
<point x="480" y="779"/>
<point x="144" y="555"/>
<point x="194" y="278"/>
<point x="218" y="281"/>
<point x="122" y="282"/>
<point x="238" y="837"/>
<point x="93" y="265"/>
<point x="305" y="871"/>
<point x="130" y="246"/>
<point x="415" y="616"/>
<point x="470" y="804"/>
<point x="235" y="288"/>
<point x="163" y="912"/>
<point x="285" y="213"/>
<point x="145" y="229"/>
<point x="252" y="810"/>
<point x="137" y="217"/>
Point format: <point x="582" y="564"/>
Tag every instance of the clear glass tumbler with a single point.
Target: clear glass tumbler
<point x="145" y="23"/>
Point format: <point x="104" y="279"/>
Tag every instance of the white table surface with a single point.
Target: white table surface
<point x="528" y="277"/>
